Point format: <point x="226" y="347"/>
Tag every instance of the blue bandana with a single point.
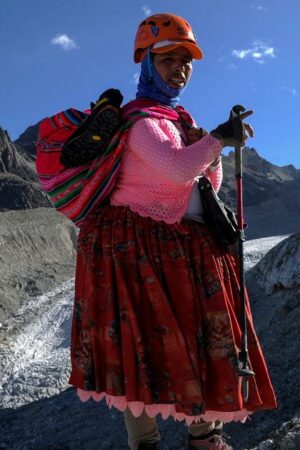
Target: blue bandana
<point x="151" y="85"/>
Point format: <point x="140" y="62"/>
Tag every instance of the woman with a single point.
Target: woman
<point x="155" y="327"/>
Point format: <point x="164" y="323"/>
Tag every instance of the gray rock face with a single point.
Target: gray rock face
<point x="287" y="437"/>
<point x="19" y="187"/>
<point x="261" y="178"/>
<point x="14" y="160"/>
<point x="274" y="286"/>
<point x="271" y="194"/>
<point x="37" y="251"/>
<point x="28" y="140"/>
<point x="279" y="271"/>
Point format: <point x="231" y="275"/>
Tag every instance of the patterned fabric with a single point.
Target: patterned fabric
<point x="76" y="191"/>
<point x="155" y="322"/>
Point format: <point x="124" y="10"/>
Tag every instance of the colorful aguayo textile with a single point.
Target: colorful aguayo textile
<point x="76" y="191"/>
<point x="155" y="322"/>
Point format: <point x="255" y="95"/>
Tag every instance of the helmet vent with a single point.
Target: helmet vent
<point x="166" y="24"/>
<point x="151" y="22"/>
<point x="182" y="32"/>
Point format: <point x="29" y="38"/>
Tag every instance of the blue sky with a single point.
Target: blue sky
<point x="63" y="53"/>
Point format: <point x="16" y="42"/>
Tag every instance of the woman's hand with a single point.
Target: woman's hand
<point x="234" y="132"/>
<point x="195" y="134"/>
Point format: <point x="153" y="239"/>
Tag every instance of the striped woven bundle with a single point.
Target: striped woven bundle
<point x="76" y="191"/>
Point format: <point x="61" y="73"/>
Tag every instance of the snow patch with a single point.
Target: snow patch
<point x="35" y="364"/>
<point x="280" y="268"/>
<point x="255" y="249"/>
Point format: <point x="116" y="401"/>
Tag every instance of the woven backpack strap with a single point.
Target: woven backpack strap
<point x="186" y="119"/>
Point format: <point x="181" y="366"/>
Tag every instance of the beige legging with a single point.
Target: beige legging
<point x="144" y="429"/>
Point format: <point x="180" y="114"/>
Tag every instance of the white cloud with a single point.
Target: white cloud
<point x="64" y="41"/>
<point x="290" y="90"/>
<point x="270" y="52"/>
<point x="257" y="7"/>
<point x="259" y="52"/>
<point x="147" y="11"/>
<point x="241" y="54"/>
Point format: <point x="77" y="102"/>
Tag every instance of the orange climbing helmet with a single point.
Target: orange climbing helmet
<point x="162" y="33"/>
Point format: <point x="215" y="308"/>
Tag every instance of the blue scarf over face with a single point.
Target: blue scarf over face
<point x="151" y="85"/>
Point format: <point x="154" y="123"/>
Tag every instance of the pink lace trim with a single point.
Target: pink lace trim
<point x="120" y="403"/>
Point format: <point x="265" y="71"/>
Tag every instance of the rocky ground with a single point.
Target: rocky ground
<point x="287" y="437"/>
<point x="37" y="254"/>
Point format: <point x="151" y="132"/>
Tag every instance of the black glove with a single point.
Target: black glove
<point x="93" y="135"/>
<point x="231" y="133"/>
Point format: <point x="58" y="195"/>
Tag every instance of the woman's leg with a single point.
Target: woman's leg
<point x="207" y="435"/>
<point x="140" y="429"/>
<point x="205" y="428"/>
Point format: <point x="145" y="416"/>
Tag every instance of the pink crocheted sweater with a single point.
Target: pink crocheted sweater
<point x="158" y="170"/>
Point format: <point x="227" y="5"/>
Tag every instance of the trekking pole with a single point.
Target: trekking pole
<point x="244" y="371"/>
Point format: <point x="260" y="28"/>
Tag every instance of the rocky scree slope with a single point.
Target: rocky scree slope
<point x="287" y="437"/>
<point x="274" y="286"/>
<point x="19" y="187"/>
<point x="37" y="252"/>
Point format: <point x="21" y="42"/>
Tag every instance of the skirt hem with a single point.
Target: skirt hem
<point x="166" y="410"/>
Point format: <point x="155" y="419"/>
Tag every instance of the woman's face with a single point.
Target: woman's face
<point x="175" y="67"/>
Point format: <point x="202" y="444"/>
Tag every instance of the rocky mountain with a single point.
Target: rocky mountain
<point x="271" y="194"/>
<point x="28" y="139"/>
<point x="19" y="187"/>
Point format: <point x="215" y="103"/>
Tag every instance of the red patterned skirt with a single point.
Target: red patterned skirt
<point x="156" y="321"/>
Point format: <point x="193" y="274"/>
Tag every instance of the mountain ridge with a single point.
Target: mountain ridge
<point x="19" y="187"/>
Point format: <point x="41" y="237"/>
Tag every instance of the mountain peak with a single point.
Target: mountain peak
<point x="19" y="185"/>
<point x="27" y="140"/>
<point x="4" y="137"/>
<point x="248" y="150"/>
